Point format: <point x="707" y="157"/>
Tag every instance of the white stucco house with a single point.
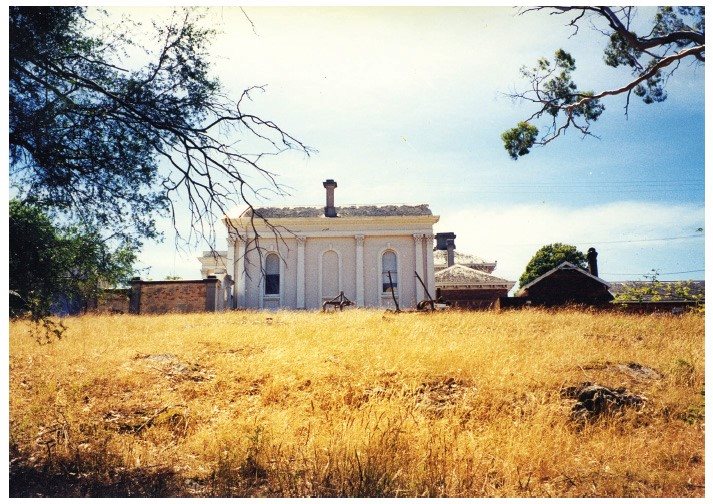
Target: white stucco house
<point x="319" y="252"/>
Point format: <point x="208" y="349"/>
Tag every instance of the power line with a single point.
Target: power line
<point x="594" y="184"/>
<point x="598" y="191"/>
<point x="597" y="242"/>
<point x="654" y="273"/>
<point x="653" y="239"/>
<point x="587" y="185"/>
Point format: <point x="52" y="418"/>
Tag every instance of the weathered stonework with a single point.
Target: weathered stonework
<point x="176" y="296"/>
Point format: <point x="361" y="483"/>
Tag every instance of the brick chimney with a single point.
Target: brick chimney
<point x="451" y="251"/>
<point x="592" y="261"/>
<point x="329" y="210"/>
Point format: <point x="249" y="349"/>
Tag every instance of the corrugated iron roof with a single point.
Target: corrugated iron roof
<point x="566" y="265"/>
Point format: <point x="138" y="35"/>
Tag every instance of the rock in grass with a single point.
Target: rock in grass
<point x="593" y="401"/>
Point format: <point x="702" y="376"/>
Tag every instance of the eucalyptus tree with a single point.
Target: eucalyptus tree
<point x="674" y="36"/>
<point x="107" y="133"/>
<point x="96" y="138"/>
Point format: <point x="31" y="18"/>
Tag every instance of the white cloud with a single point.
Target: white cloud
<point x="404" y="106"/>
<point x="512" y="234"/>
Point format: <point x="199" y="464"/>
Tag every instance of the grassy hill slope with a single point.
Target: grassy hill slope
<point x="359" y="403"/>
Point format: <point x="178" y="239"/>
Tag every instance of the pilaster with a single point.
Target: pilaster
<point x="301" y="271"/>
<point x="430" y="277"/>
<point x="359" y="269"/>
<point x="230" y="270"/>
<point x="240" y="278"/>
<point x="418" y="248"/>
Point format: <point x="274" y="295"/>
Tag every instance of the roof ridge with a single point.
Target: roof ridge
<point x="559" y="267"/>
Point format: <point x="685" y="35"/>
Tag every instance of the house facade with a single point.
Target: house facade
<point x="300" y="257"/>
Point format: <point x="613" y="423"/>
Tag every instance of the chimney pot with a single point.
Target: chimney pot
<point x="451" y="248"/>
<point x="329" y="210"/>
<point x="592" y="261"/>
<point x="441" y="240"/>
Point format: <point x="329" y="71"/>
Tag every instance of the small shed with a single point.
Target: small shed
<point x="566" y="284"/>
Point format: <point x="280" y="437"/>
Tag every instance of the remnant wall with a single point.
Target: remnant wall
<point x="673" y="307"/>
<point x="178" y="296"/>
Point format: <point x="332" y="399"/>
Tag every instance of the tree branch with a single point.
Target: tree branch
<point x="646" y="75"/>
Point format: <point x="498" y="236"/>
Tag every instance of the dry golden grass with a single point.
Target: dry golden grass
<point x="359" y="403"/>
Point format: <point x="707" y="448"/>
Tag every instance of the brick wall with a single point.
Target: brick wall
<point x="177" y="296"/>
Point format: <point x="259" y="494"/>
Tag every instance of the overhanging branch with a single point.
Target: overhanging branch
<point x="698" y="50"/>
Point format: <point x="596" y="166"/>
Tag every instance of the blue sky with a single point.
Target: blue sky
<point x="406" y="105"/>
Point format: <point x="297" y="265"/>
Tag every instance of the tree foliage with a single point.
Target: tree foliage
<point x="95" y="141"/>
<point x="48" y="264"/>
<point x="676" y="35"/>
<point x="551" y="256"/>
<point x="520" y="139"/>
<point x="653" y="290"/>
<point x="32" y="271"/>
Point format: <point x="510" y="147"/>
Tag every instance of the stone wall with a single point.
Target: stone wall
<point x="176" y="296"/>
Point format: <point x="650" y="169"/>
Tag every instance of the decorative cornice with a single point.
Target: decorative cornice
<point x="338" y="233"/>
<point x="340" y="223"/>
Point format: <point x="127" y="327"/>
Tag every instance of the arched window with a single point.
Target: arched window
<point x="388" y="266"/>
<point x="272" y="274"/>
<point x="330" y="275"/>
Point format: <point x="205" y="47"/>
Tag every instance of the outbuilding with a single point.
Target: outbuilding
<point x="464" y="287"/>
<point x="567" y="284"/>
